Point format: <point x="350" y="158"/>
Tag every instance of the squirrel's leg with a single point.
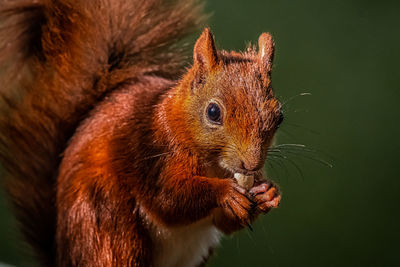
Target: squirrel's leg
<point x="186" y="200"/>
<point x="266" y="196"/>
<point x="101" y="231"/>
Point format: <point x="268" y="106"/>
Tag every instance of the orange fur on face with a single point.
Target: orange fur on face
<point x="240" y="84"/>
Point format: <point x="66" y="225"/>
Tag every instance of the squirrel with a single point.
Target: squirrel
<point x="114" y="153"/>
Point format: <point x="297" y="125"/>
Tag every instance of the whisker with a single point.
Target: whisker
<point x="297" y="153"/>
<point x="283" y="146"/>
<point x="294" y="97"/>
<point x="278" y="161"/>
<point x="295" y="147"/>
<point x="291" y="162"/>
<point x="300" y="148"/>
<point x="291" y="144"/>
<point x="156" y="155"/>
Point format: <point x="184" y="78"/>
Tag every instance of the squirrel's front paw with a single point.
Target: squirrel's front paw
<point x="265" y="196"/>
<point x="235" y="209"/>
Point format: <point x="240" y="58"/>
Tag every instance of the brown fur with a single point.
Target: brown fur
<point x="58" y="59"/>
<point x="144" y="153"/>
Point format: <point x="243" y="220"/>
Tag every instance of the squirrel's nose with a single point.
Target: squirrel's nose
<point x="251" y="166"/>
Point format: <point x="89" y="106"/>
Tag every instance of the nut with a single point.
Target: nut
<point x="244" y="181"/>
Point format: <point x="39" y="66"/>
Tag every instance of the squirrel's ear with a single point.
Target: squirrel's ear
<point x="205" y="56"/>
<point x="266" y="55"/>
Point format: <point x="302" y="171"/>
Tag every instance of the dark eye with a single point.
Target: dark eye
<point x="280" y="119"/>
<point x="214" y="113"/>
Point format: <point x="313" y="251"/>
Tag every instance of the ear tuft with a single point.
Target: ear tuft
<point x="205" y="54"/>
<point x="266" y="48"/>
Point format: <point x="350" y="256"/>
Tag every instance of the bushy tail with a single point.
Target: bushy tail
<point x="58" y="58"/>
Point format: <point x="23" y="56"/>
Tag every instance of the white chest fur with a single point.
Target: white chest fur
<point x="184" y="246"/>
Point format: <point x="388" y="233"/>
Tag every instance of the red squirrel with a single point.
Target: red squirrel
<point x="114" y="154"/>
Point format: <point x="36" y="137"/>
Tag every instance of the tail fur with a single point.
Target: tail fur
<point x="58" y="58"/>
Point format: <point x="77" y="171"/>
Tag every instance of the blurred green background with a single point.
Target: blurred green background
<point x="346" y="55"/>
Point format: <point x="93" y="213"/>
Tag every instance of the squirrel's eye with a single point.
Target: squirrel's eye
<point x="214" y="113"/>
<point x="280" y="119"/>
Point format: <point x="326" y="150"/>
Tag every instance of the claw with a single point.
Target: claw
<point x="249" y="226"/>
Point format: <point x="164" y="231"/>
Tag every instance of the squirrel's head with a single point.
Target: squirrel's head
<point x="229" y="111"/>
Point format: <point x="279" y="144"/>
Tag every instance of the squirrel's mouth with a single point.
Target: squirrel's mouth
<point x="245" y="179"/>
<point x="232" y="172"/>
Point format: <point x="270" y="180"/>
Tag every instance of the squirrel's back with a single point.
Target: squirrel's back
<point x="57" y="60"/>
